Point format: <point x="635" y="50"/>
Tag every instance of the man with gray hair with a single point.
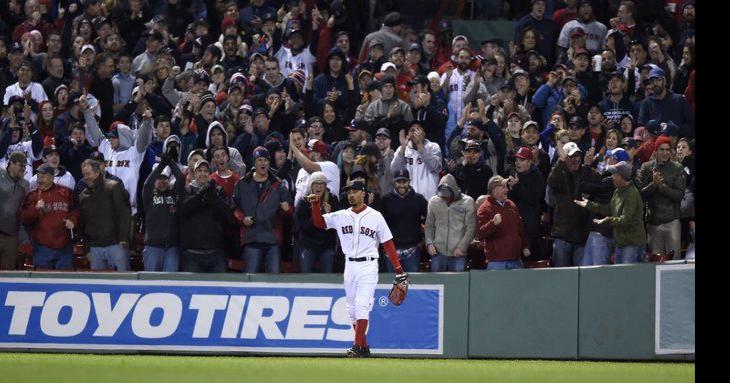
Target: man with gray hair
<point x="625" y="213"/>
<point x="500" y="226"/>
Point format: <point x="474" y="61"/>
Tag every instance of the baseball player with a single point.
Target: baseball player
<point x="360" y="229"/>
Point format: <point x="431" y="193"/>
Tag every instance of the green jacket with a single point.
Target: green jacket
<point x="625" y="213"/>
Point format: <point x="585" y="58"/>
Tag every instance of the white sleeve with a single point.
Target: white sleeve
<point x="331" y="220"/>
<point x="563" y="37"/>
<point x="384" y="234"/>
<point x="33" y="183"/>
<point x="443" y="80"/>
<point x="333" y="176"/>
<point x="7" y="95"/>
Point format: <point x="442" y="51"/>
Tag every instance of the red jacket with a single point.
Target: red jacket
<point x="47" y="227"/>
<point x="503" y="242"/>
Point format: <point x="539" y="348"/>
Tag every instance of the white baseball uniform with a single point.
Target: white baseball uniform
<point x="360" y="235"/>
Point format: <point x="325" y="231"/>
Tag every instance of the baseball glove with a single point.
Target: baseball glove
<point x="400" y="289"/>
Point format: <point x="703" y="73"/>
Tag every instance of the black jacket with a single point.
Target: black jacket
<point x="529" y="196"/>
<point x="600" y="190"/>
<point x="204" y="214"/>
<point x="473" y="179"/>
<point x="570" y="221"/>
<point x="106" y="215"/>
<point x="404" y="216"/>
<point x="310" y="236"/>
<point x="160" y="208"/>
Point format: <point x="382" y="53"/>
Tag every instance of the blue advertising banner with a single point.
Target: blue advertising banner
<point x="94" y="314"/>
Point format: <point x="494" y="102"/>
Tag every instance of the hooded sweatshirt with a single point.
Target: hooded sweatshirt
<point x="450" y="226"/>
<point x="178" y="160"/>
<point x="423" y="166"/>
<point x="12" y="192"/>
<point x="161" y="219"/>
<point x="124" y="161"/>
<point x="235" y="161"/>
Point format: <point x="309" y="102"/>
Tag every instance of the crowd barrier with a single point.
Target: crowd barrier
<point x="616" y="312"/>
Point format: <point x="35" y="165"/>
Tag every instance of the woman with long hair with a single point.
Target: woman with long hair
<point x="46" y="117"/>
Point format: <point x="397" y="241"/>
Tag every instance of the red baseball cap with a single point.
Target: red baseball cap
<point x="318" y="146"/>
<point x="525" y="153"/>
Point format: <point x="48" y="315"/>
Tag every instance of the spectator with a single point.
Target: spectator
<point x="405" y="212"/>
<point x="259" y="199"/>
<point x="570" y="224"/>
<point x="317" y="245"/>
<point x="123" y="149"/>
<point x="105" y="219"/>
<point x="662" y="183"/>
<point x="547" y="28"/>
<point x="388" y="35"/>
<point x="13" y="188"/>
<point x="123" y="82"/>
<point x="12" y="137"/>
<point x="595" y="30"/>
<point x="615" y="104"/>
<point x="526" y="189"/>
<point x="473" y="173"/>
<point x="216" y="137"/>
<point x="203" y="213"/>
<point x="49" y="214"/>
<point x="501" y="229"/>
<point x="314" y="161"/>
<point x="625" y="214"/>
<point x="25" y="86"/>
<point x="335" y="84"/>
<point x="161" y="220"/>
<point x="61" y="177"/>
<point x="664" y="106"/>
<point x="455" y="82"/>
<point x="385" y="175"/>
<point x="420" y="157"/>
<point x="450" y="226"/>
<point x="75" y="150"/>
<point x="388" y="111"/>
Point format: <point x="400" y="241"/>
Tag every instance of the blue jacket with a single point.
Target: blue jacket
<point x="324" y="83"/>
<point x="674" y="107"/>
<point x="547" y="97"/>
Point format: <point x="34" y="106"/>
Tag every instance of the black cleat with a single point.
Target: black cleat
<point x="358" y="352"/>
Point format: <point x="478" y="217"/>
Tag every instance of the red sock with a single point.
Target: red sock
<point x="362" y="326"/>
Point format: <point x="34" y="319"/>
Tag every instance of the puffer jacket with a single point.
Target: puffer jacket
<point x="570" y="222"/>
<point x="451" y="226"/>
<point x="663" y="205"/>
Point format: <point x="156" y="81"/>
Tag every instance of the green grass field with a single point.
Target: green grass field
<point x="77" y="368"/>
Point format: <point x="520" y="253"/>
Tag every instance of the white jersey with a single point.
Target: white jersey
<point x="595" y="34"/>
<point x="64" y="179"/>
<point x="289" y="63"/>
<point x="125" y="165"/>
<point x="457" y="89"/>
<point x="25" y="147"/>
<point x="360" y="233"/>
<point x="330" y="170"/>
<point x="36" y="92"/>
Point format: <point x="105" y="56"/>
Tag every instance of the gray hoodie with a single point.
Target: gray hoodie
<point x="235" y="161"/>
<point x="13" y="193"/>
<point x="451" y="226"/>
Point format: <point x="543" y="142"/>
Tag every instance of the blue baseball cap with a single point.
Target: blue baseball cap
<point x="619" y="154"/>
<point x="656" y="72"/>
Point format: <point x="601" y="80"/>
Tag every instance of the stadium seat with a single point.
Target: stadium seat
<point x="658" y="257"/>
<point x="235" y="265"/>
<point x="541" y="264"/>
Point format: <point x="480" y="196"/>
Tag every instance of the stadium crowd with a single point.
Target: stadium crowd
<point x="197" y="127"/>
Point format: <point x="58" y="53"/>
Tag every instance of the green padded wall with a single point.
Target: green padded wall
<point x="524" y="314"/>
